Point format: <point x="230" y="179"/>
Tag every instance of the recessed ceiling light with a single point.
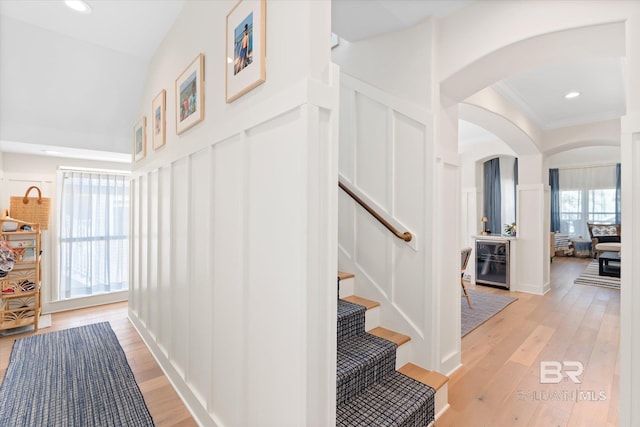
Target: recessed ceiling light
<point x="572" y="95"/>
<point x="78" y="5"/>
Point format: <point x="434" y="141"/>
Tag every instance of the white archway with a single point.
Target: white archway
<point x="472" y="57"/>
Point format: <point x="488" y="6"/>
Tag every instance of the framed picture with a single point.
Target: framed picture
<point x="158" y="110"/>
<point x="246" y="42"/>
<point x="140" y="139"/>
<point x="190" y="95"/>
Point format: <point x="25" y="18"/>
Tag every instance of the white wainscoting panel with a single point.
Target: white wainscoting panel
<point x="347" y="133"/>
<point x="134" y="258"/>
<point x="446" y="317"/>
<point x="180" y="258"/>
<point x="165" y="283"/>
<point x="144" y="250"/>
<point x="275" y="224"/>
<point x="372" y="149"/>
<point x="230" y="281"/>
<point x="409" y="147"/>
<point x="372" y="250"/>
<point x="346" y="225"/>
<point x="199" y="263"/>
<point x="152" y="251"/>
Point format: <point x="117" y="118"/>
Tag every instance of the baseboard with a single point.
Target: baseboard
<point x="532" y="289"/>
<point x="451" y="363"/>
<point x="454" y="369"/>
<point x="442" y="411"/>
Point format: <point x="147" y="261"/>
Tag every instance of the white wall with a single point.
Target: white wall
<point x="22" y="171"/>
<point x="233" y="236"/>
<point x="403" y="62"/>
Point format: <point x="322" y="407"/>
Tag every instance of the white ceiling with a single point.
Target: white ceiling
<point x="96" y="65"/>
<point x="540" y="93"/>
<point x="132" y="27"/>
<point x="355" y="20"/>
<point x="72" y="80"/>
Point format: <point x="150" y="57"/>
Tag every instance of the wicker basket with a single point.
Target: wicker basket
<point x="31" y="209"/>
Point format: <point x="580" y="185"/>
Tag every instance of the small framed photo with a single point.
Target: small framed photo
<point x="246" y="42"/>
<point x="158" y="114"/>
<point x="190" y="95"/>
<point x="140" y="139"/>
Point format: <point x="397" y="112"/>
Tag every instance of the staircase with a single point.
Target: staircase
<point x="375" y="387"/>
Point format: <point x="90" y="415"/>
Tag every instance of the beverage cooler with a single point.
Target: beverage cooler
<point x="492" y="263"/>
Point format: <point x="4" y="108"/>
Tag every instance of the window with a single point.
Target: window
<point x="602" y="206"/>
<point x="570" y="211"/>
<point x="94" y="233"/>
<point x="586" y="195"/>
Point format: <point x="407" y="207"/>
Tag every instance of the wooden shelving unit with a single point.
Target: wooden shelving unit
<point x="20" y="301"/>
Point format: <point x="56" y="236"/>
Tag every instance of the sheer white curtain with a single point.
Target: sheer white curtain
<point x="586" y="195"/>
<point x="507" y="178"/>
<point x="93" y="233"/>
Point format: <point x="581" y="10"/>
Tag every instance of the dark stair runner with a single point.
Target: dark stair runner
<point x="370" y="392"/>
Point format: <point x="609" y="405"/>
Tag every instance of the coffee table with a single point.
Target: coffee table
<point x="606" y="269"/>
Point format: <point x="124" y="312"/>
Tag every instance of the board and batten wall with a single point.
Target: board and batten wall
<point x="384" y="158"/>
<point x="233" y="259"/>
<point x="389" y="155"/>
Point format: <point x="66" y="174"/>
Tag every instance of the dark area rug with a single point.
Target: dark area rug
<point x="484" y="305"/>
<point x="74" y="377"/>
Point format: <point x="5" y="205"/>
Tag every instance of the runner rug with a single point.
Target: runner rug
<point x="74" y="377"/>
<point x="590" y="277"/>
<point x="484" y="305"/>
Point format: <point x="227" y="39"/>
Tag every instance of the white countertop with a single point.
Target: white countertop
<point x="494" y="237"/>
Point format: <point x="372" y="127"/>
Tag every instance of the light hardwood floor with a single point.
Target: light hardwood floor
<point x="165" y="406"/>
<point x="499" y="382"/>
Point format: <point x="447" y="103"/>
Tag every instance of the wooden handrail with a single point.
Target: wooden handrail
<point x="406" y="236"/>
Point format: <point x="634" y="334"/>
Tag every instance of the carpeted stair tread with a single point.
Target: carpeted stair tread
<point x="362" y="360"/>
<point x="350" y="320"/>
<point x="369" y="391"/>
<point x="396" y="400"/>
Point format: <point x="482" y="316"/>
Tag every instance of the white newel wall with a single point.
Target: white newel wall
<point x="233" y="254"/>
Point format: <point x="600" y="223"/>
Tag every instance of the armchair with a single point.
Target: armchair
<point x="604" y="238"/>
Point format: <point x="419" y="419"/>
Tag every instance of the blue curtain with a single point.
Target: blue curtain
<point x="492" y="195"/>
<point x="618" y="195"/>
<point x="554" y="182"/>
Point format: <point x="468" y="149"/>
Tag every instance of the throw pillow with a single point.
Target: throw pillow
<point x="604" y="230"/>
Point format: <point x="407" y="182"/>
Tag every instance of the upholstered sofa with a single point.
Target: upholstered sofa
<point x="604" y="238"/>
